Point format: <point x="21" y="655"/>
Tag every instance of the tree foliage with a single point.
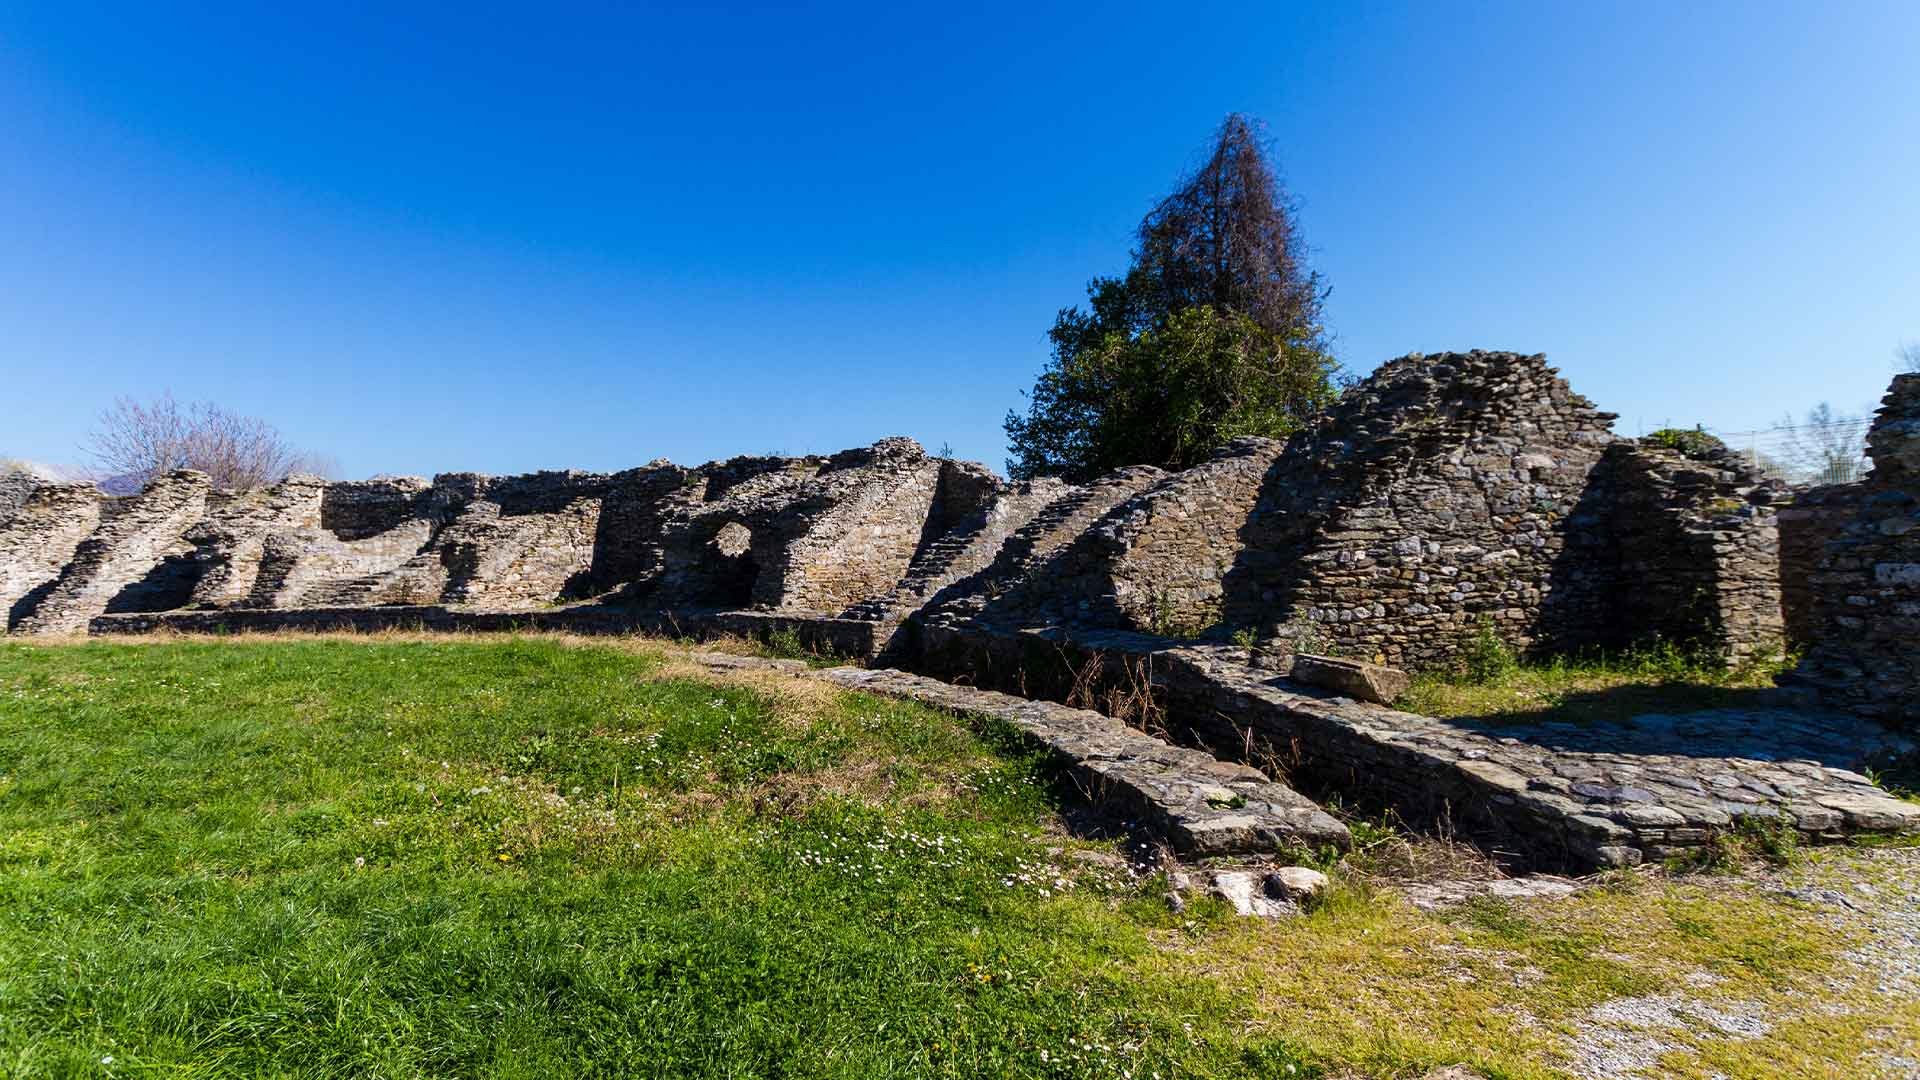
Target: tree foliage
<point x="1907" y="357"/>
<point x="1826" y="448"/>
<point x="135" y="442"/>
<point x="1214" y="332"/>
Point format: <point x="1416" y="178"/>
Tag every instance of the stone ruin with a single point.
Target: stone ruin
<point x="1443" y="499"/>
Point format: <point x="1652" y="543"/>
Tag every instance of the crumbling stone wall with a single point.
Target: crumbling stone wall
<point x="805" y="534"/>
<point x="1155" y="559"/>
<point x="38" y="540"/>
<point x="136" y="559"/>
<point x="961" y="545"/>
<point x="1441" y="492"/>
<point x="1698" y="553"/>
<point x="1009" y="590"/>
<point x="1865" y="590"/>
<point x="1813" y="518"/>
<point x="367" y="530"/>
<point x="1439" y="495"/>
<point x="230" y="542"/>
<point x="1157" y="562"/>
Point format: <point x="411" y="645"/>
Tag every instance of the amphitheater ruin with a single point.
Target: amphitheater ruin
<point x="1253" y="606"/>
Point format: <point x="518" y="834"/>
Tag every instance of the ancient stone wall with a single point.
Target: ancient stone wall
<point x="1698" y="553"/>
<point x="1154" y="561"/>
<point x="1865" y="591"/>
<point x="1440" y="494"/>
<point x="136" y="559"/>
<point x="1808" y="522"/>
<point x="1012" y="589"/>
<point x="38" y="541"/>
<point x="230" y="542"/>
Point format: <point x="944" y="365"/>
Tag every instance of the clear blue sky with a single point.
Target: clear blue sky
<point x="553" y="236"/>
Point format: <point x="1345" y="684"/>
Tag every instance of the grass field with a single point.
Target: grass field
<point x="387" y="857"/>
<point x="1495" y="686"/>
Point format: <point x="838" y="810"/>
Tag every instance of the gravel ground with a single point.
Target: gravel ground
<point x="1871" y="894"/>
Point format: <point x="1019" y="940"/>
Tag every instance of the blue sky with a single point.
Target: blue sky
<point x="505" y="239"/>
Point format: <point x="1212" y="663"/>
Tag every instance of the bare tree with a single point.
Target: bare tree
<point x="1828" y="448"/>
<point x="1907" y="356"/>
<point x="136" y="442"/>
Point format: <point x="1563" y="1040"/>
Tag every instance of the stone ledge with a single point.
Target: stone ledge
<point x="1555" y="795"/>
<point x="839" y="637"/>
<point x="1202" y="805"/>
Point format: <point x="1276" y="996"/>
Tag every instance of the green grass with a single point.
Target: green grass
<point x="409" y="859"/>
<point x="1604" y="687"/>
<point x="529" y="857"/>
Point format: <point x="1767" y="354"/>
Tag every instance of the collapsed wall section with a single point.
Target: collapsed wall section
<point x="807" y="534"/>
<point x="1864" y="595"/>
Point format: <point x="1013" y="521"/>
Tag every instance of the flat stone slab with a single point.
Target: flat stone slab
<point x="1354" y="678"/>
<point x="1202" y="805"/>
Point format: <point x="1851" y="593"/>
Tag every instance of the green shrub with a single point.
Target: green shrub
<point x="1487" y="659"/>
<point x="1692" y="443"/>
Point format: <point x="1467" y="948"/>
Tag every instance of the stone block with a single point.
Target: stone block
<point x="1354" y="678"/>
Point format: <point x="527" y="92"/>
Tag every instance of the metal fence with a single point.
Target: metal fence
<point x="1829" y="452"/>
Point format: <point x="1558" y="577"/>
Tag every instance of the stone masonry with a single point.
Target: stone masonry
<point x="1863" y="609"/>
<point x="38" y="539"/>
<point x="1443" y="498"/>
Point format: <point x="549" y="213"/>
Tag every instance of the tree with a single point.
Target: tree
<point x="1214" y="332"/>
<point x="136" y="442"/>
<point x="1829" y="448"/>
<point x="1907" y="356"/>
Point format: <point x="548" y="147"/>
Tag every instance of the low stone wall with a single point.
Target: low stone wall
<point x="827" y="637"/>
<point x="1549" y="796"/>
<point x="1203" y="806"/>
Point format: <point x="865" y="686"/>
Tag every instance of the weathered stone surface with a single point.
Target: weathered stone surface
<point x="1300" y="884"/>
<point x="1554" y="794"/>
<point x="1246" y="892"/>
<point x="135" y="560"/>
<point x="1354" y="678"/>
<point x="1203" y="805"/>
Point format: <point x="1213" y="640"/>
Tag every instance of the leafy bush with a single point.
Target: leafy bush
<point x="1692" y="443"/>
<point x="1487" y="659"/>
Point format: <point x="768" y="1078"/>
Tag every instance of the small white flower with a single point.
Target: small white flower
<point x="108" y="1060"/>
